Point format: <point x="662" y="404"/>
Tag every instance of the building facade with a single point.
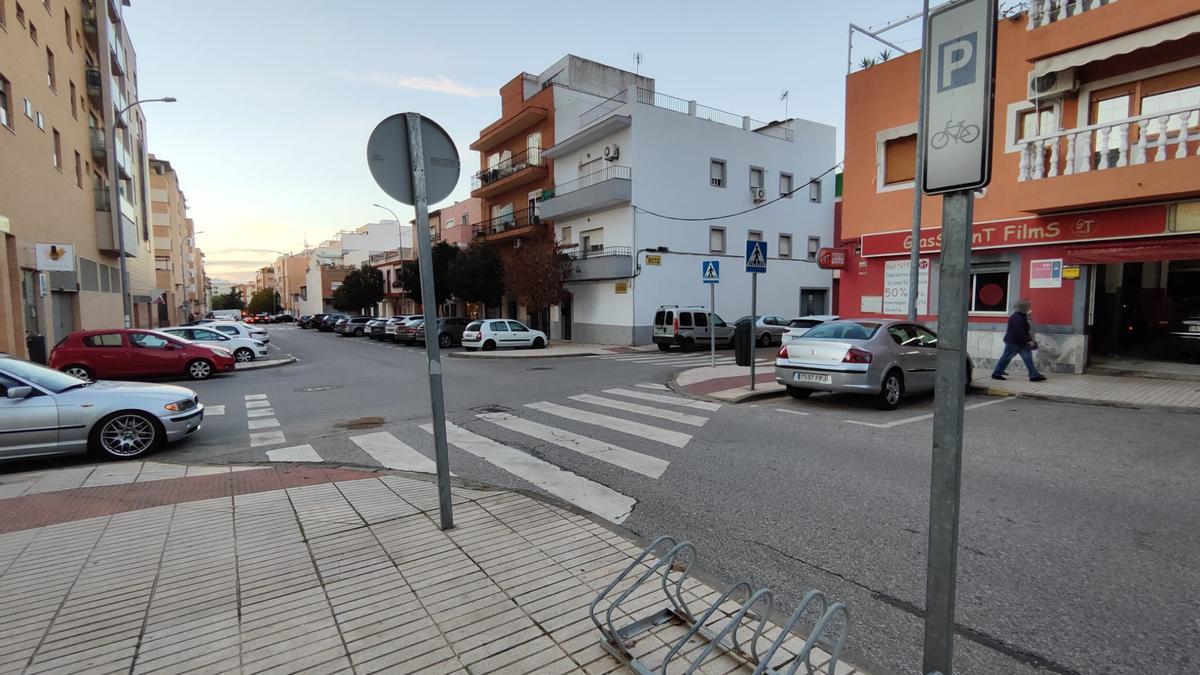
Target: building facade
<point x="66" y="70"/>
<point x="178" y="285"/>
<point x="290" y="272"/>
<point x="453" y="224"/>
<point x="1092" y="212"/>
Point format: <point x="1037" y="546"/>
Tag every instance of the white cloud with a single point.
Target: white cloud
<point x="438" y="83"/>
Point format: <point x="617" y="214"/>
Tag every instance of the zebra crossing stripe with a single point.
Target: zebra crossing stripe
<point x="660" y="398"/>
<point x="637" y="408"/>
<point x="652" y="385"/>
<point x="570" y="487"/>
<point x="296" y="453"/>
<point x="251" y="405"/>
<point x="647" y="431"/>
<point x="605" y="452"/>
<point x="214" y="410"/>
<point x="267" y="438"/>
<point x="393" y="453"/>
<point x="262" y="424"/>
<point x="256" y="397"/>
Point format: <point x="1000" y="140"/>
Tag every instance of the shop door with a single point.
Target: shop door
<point x="564" y="312"/>
<point x="813" y="301"/>
<point x="64" y="314"/>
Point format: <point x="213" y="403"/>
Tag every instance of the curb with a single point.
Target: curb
<point x="673" y="385"/>
<point x="501" y="357"/>
<point x="272" y="363"/>
<point x="1058" y="398"/>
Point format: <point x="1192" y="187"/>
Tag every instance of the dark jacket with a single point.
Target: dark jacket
<point x="1018" y="330"/>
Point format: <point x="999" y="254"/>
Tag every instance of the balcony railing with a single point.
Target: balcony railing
<point x="596" y="191"/>
<point x="588" y="180"/>
<point x="95" y="87"/>
<point x="507" y="167"/>
<point x="598" y="263"/>
<point x="103" y="199"/>
<point x="579" y="253"/>
<point x="506" y="223"/>
<point x="602" y="109"/>
<point x="683" y="107"/>
<point x="1046" y="12"/>
<point x="99" y="147"/>
<point x="1158" y="137"/>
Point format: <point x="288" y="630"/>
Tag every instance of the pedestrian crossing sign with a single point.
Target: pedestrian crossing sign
<point x="756" y="256"/>
<point x="710" y="271"/>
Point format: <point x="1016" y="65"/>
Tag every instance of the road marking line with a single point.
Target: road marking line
<point x="262" y="424"/>
<point x="791" y="412"/>
<point x="260" y="412"/>
<point x="582" y="492"/>
<point x="214" y="410"/>
<point x="667" y="436"/>
<point x="250" y="405"/>
<point x="636" y="408"/>
<point x="296" y="453"/>
<point x="256" y="397"/>
<point x="267" y="438"/>
<point x="605" y="452"/>
<point x="393" y="453"/>
<point x="918" y="418"/>
<point x="671" y="400"/>
<point x="652" y="385"/>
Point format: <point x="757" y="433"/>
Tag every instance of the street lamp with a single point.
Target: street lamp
<point x="114" y="207"/>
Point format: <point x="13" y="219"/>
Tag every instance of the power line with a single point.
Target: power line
<point x="784" y="195"/>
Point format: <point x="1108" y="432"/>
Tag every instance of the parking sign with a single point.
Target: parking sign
<point x="961" y="39"/>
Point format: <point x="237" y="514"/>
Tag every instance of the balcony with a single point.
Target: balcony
<point x="99" y="147"/>
<point x="502" y="130"/>
<point x="95" y="86"/>
<point x="600" y="264"/>
<point x="603" y="189"/>
<point x="650" y="97"/>
<point x="1046" y="12"/>
<point x="524" y="167"/>
<point x="508" y="226"/>
<point x="1153" y="156"/>
<point x="90" y="24"/>
<point x="107" y="237"/>
<point x="103" y="200"/>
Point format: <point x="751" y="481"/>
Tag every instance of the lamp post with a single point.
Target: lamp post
<point x="399" y="236"/>
<point x="114" y="207"/>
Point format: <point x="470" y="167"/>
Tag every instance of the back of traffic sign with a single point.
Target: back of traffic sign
<point x="388" y="158"/>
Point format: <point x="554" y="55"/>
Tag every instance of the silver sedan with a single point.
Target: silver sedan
<point x="882" y="358"/>
<point x="45" y="412"/>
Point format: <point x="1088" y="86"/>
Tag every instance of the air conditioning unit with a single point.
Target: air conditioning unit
<point x="758" y="194"/>
<point x="1052" y="84"/>
<point x="612" y="152"/>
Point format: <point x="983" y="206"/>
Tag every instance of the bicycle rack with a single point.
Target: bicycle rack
<point x="827" y="624"/>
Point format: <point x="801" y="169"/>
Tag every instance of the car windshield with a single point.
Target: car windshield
<point x="804" y="323"/>
<point x="843" y="330"/>
<point x="46" y="378"/>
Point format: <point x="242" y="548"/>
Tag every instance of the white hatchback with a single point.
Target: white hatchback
<point x="239" y="329"/>
<point x="244" y="348"/>
<point x="490" y="334"/>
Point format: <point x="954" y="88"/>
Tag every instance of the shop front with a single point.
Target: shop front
<point x="1122" y="281"/>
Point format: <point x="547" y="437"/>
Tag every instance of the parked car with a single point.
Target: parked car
<point x="374" y="327"/>
<point x="391" y="329"/>
<point x="449" y="329"/>
<point x="131" y="353"/>
<point x="239" y="329"/>
<point x="305" y="320"/>
<point x="407" y="333"/>
<point x="800" y="325"/>
<point x="354" y="326"/>
<point x="887" y="359"/>
<point x="325" y="325"/>
<point x="283" y="318"/>
<point x="244" y="348"/>
<point x="199" y="322"/>
<point x="688" y="327"/>
<point x="767" y="330"/>
<point x="491" y="334"/>
<point x="225" y="315"/>
<point x="43" y="412"/>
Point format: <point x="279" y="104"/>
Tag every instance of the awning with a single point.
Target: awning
<point x="1176" y="249"/>
<point x="1176" y="30"/>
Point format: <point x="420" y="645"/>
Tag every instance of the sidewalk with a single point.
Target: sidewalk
<point x="554" y="350"/>
<point x="265" y="363"/>
<point x="728" y="383"/>
<point x="158" y="567"/>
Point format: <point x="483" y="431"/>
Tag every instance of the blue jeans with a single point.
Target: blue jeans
<point x="1012" y="350"/>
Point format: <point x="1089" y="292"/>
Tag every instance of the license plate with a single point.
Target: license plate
<point x="812" y="377"/>
<point x="1194" y="329"/>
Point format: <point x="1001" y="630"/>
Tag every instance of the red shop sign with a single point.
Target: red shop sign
<point x="831" y="258"/>
<point x="1138" y="221"/>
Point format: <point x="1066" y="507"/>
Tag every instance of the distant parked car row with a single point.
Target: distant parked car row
<point x="452" y="331"/>
<point x="688" y="328"/>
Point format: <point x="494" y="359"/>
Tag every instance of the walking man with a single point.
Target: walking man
<point x="1018" y="339"/>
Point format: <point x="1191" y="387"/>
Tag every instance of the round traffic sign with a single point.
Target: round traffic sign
<point x="388" y="159"/>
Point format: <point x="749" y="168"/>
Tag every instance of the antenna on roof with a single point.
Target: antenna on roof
<point x="784" y="97"/>
<point x="637" y="62"/>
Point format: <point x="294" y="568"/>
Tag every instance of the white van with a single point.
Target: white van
<point x="688" y="327"/>
<point x="225" y="314"/>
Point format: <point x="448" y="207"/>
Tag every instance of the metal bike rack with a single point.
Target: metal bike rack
<point x="826" y="624"/>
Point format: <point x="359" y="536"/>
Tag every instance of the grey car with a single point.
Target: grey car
<point x="767" y="330"/>
<point x="45" y="412"/>
<point x="883" y="358"/>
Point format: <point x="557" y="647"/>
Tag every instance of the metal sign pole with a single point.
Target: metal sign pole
<point x="429" y="305"/>
<point x="948" y="399"/>
<point x="914" y="257"/>
<point x="712" y="328"/>
<point x="753" y="324"/>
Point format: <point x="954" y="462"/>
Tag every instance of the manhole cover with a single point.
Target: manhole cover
<point x="362" y="423"/>
<point x="495" y="408"/>
<point x="329" y="387"/>
<point x="540" y="368"/>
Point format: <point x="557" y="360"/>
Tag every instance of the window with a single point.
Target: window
<point x="103" y="340"/>
<point x="3" y="14"/>
<point x="33" y="35"/>
<point x="716" y="240"/>
<point x="5" y="97"/>
<point x="1187" y="97"/>
<point x="497" y="326"/>
<point x="466" y="219"/>
<point x="232" y="330"/>
<point x="785" y="246"/>
<point x="685" y="319"/>
<point x="50" y="78"/>
<point x="67" y="29"/>
<point x="28" y="109"/>
<point x="20" y="14"/>
<point x="566" y="236"/>
<point x="754" y="235"/>
<point x="517" y="327"/>
<point x="78" y="170"/>
<point x="899" y="160"/>
<point x="58" y="161"/>
<point x="989" y="289"/>
<point x="785" y="185"/>
<point x="40" y="120"/>
<point x="533" y="148"/>
<point x="757" y="177"/>
<point x="814" y="245"/>
<point x="1033" y="123"/>
<point x="814" y="190"/>
<point x="148" y="340"/>
<point x="701" y="320"/>
<point x="716" y="173"/>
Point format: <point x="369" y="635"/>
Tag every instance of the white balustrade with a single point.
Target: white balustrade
<point x="1046" y="12"/>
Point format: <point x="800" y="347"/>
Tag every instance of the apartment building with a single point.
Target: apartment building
<point x="642" y="182"/>
<point x="66" y="69"/>
<point x="264" y="277"/>
<point x="1093" y="211"/>
<point x="290" y="271"/>
<point x="453" y="224"/>
<point x="199" y="294"/>
<point x="178" y="286"/>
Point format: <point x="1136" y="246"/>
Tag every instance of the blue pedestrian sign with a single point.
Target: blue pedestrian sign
<point x="756" y="256"/>
<point x="710" y="271"/>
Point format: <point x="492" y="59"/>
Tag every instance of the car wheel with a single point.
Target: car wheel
<point x="797" y="392"/>
<point x="125" y="435"/>
<point x="687" y="345"/>
<point x="444" y="341"/>
<point x="199" y="369"/>
<point x="358" y="332"/>
<point x="79" y="371"/>
<point x="890" y="391"/>
<point x="663" y="348"/>
<point x="489" y="346"/>
<point x="539" y="343"/>
<point x="764" y="340"/>
<point x="243" y="354"/>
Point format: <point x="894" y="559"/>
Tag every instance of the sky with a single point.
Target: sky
<point x="277" y="99"/>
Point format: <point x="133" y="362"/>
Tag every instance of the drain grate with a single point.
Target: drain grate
<point x="329" y="387"/>
<point x="494" y="408"/>
<point x="362" y="423"/>
<point x="540" y="368"/>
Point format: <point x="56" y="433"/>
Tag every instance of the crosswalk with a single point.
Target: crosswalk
<point x="673" y="358"/>
<point x="604" y="426"/>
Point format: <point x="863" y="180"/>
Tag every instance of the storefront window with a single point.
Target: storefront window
<point x="989" y="289"/>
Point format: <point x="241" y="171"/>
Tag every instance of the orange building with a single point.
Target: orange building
<point x="1092" y="212"/>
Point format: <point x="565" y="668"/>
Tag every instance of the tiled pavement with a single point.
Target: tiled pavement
<point x="1137" y="392"/>
<point x="154" y="567"/>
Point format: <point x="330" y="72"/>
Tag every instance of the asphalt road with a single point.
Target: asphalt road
<point x="1079" y="530"/>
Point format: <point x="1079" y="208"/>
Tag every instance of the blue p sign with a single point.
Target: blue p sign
<point x="956" y="62"/>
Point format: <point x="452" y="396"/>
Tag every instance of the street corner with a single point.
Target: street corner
<point x="266" y="363"/>
<point x="550" y="352"/>
<point x="727" y="384"/>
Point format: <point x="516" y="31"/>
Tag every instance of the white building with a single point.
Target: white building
<point x="620" y="161"/>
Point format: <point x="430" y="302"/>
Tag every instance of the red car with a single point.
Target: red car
<point x="133" y="354"/>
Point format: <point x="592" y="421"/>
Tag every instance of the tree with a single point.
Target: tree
<point x="536" y="274"/>
<point x="262" y="301"/>
<point x="477" y="275"/>
<point x="227" y="301"/>
<point x="360" y="289"/>
<point x="444" y="255"/>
